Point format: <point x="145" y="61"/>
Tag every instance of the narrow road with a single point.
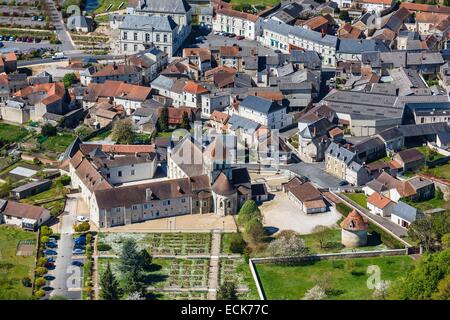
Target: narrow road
<point x="68" y="278"/>
<point x="213" y="280"/>
<point x="67" y="43"/>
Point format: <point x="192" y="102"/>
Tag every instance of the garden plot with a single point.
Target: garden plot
<point x="160" y="243"/>
<point x="238" y="272"/>
<point x="191" y="295"/>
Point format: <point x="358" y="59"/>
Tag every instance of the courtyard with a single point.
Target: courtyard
<point x="282" y="214"/>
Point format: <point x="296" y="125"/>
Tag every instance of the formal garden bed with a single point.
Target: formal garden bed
<point x="160" y="243"/>
<point x="237" y="270"/>
<point x="343" y="279"/>
<point x="14" y="268"/>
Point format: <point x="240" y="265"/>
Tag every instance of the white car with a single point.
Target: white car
<point x="82" y="219"/>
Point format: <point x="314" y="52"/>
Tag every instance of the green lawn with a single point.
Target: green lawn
<point x="359" y="198"/>
<point x="10" y="133"/>
<point x="430" y="155"/>
<point x="255" y="2"/>
<point x="429" y="204"/>
<point x="58" y="143"/>
<point x="348" y="279"/>
<point x="101" y="136"/>
<point x="226" y="239"/>
<point x="104" y="4"/>
<point x="442" y="171"/>
<point x="13" y="268"/>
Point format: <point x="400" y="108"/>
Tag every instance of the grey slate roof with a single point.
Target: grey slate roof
<point x="151" y="23"/>
<point x="341" y="153"/>
<point x="238" y="122"/>
<point x="168" y="6"/>
<point x="405" y="211"/>
<point x="260" y="104"/>
<point x="358" y="46"/>
<point x="314" y="36"/>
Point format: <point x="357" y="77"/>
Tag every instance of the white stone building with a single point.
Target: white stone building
<point x="239" y="23"/>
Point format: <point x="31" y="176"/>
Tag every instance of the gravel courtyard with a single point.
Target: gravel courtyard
<point x="283" y="214"/>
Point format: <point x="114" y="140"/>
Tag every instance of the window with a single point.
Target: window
<point x="165" y="38"/>
<point x="125" y="47"/>
<point x="134" y="207"/>
<point x="135" y="36"/>
<point x="119" y="174"/>
<point x="135" y="47"/>
<point x="145" y="206"/>
<point x="132" y="172"/>
<point x="147" y="37"/>
<point x="117" y="210"/>
<point x="183" y="200"/>
<point x="158" y="37"/>
<point x="125" y="36"/>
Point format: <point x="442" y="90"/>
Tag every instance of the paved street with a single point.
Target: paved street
<point x="64" y="36"/>
<point x="68" y="278"/>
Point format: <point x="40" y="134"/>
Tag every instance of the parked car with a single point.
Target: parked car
<point x="77" y="263"/>
<point x="343" y="183"/>
<point x="41" y="18"/>
<point x="29" y="39"/>
<point x="49" y="252"/>
<point x="231" y="35"/>
<point x="37" y="40"/>
<point x="80" y="242"/>
<point x="50" y="259"/>
<point x="58" y="56"/>
<point x="78" y="251"/>
<point x="34" y="18"/>
<point x="49" y="265"/>
<point x="12" y="38"/>
<point x="199" y="38"/>
<point x="240" y="37"/>
<point x="1" y="38"/>
<point x="1" y="44"/>
<point x="51" y="245"/>
<point x="277" y="51"/>
<point x="82" y="219"/>
<point x="51" y="239"/>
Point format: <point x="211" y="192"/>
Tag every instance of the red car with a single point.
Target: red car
<point x="240" y="37"/>
<point x="29" y="40"/>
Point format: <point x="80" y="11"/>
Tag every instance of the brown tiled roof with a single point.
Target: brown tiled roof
<point x="22" y="210"/>
<point x="306" y="192"/>
<point x="220" y="69"/>
<point x="219" y="116"/>
<point x="378" y="200"/>
<point x="314" y="204"/>
<point x="217" y="150"/>
<point x="203" y="53"/>
<point x="425" y="7"/>
<point x="116" y="69"/>
<point x="160" y="190"/>
<point x="87" y="174"/>
<point x="132" y="92"/>
<point x="223" y="79"/>
<point x="118" y="148"/>
<point x="316" y="22"/>
<point x="223" y="186"/>
<point x="410" y="155"/>
<point x="52" y="91"/>
<point x="430" y="17"/>
<point x="194" y="88"/>
<point x="232" y="51"/>
<point x="354" y="221"/>
<point x="176" y="114"/>
<point x="238" y="14"/>
<point x="105" y="113"/>
<point x="335" y="132"/>
<point x="270" y="95"/>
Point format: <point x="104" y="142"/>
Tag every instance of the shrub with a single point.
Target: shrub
<point x="88" y="238"/>
<point x="255" y="230"/>
<point x="40" y="271"/>
<point x="248" y="211"/>
<point x="237" y="243"/>
<point x="39" y="293"/>
<point x="40" y="282"/>
<point x="41" y="261"/>
<point x="48" y="130"/>
<point x="103" y="247"/>
<point x="44" y="239"/>
<point x="36" y="161"/>
<point x="26" y="281"/>
<point x="46" y="231"/>
<point x="82" y="227"/>
<point x="64" y="179"/>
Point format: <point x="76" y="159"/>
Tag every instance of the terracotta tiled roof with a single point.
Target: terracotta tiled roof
<point x="116" y="69"/>
<point x="354" y="222"/>
<point x="52" y="91"/>
<point x="203" y="53"/>
<point x="10" y="56"/>
<point x="219" y="117"/>
<point x="385" y="2"/>
<point x="378" y="200"/>
<point x="194" y="88"/>
<point x="4" y="79"/>
<point x="271" y="95"/>
<point x="425" y="7"/>
<point x="335" y="132"/>
<point x="220" y="69"/>
<point x="132" y="92"/>
<point x="238" y="14"/>
<point x="430" y="17"/>
<point x="306" y="192"/>
<point x="394" y="165"/>
<point x="223" y="186"/>
<point x="316" y="22"/>
<point x="86" y="172"/>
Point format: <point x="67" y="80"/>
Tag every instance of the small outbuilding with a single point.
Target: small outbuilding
<point x="354" y="230"/>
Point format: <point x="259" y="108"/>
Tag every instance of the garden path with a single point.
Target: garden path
<point x="213" y="279"/>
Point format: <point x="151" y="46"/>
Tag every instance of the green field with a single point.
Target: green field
<point x="104" y="4"/>
<point x="429" y="204"/>
<point x="348" y="279"/>
<point x="255" y="2"/>
<point x="359" y="198"/>
<point x="10" y="133"/>
<point x="13" y="268"/>
<point x="430" y="155"/>
<point x="58" y="143"/>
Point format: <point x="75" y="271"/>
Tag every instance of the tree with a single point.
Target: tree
<point x="288" y="243"/>
<point x="227" y="291"/>
<point x="132" y="263"/>
<point x="163" y="121"/>
<point x="40" y="282"/>
<point x="109" y="285"/>
<point x="46" y="231"/>
<point x="6" y="187"/>
<point x="443" y="289"/>
<point x="145" y="259"/>
<point x="421" y="230"/>
<point x="343" y="15"/>
<point x="255" y="230"/>
<point x="237" y="243"/>
<point x="123" y="132"/>
<point x="185" y="122"/>
<point x="48" y="130"/>
<point x="321" y="234"/>
<point x="381" y="290"/>
<point x="423" y="281"/>
<point x="248" y="211"/>
<point x="69" y="79"/>
<point x="82" y="227"/>
<point x="315" y="293"/>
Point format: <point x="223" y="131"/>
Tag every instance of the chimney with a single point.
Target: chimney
<point x="114" y="65"/>
<point x="322" y="32"/>
<point x="148" y="194"/>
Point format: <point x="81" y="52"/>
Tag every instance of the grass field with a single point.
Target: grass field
<point x="430" y="155"/>
<point x="13" y="268"/>
<point x="348" y="279"/>
<point x="255" y="2"/>
<point x="429" y="204"/>
<point x="58" y="143"/>
<point x="359" y="198"/>
<point x="439" y="171"/>
<point x="10" y="133"/>
<point x="104" y="4"/>
<point x="101" y="136"/>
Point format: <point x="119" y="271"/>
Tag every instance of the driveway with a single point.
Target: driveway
<point x="68" y="278"/>
<point x="60" y="28"/>
<point x="282" y="214"/>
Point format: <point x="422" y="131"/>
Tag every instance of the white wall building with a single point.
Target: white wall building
<point x="239" y="23"/>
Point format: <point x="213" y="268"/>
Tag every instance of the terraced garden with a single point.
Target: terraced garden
<point x="238" y="272"/>
<point x="161" y="243"/>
